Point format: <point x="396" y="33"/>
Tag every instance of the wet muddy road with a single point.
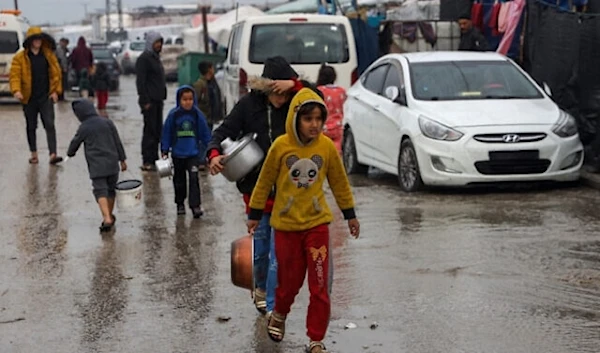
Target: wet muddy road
<point x="443" y="271"/>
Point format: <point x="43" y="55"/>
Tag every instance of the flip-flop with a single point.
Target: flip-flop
<point x="34" y="160"/>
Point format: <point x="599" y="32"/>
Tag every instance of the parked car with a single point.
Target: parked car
<point x="104" y="55"/>
<point x="128" y="56"/>
<point x="12" y="35"/>
<point x="457" y="118"/>
<point x="306" y="41"/>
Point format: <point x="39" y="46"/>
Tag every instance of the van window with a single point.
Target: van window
<point x="301" y="43"/>
<point x="235" y="45"/>
<point x="9" y="42"/>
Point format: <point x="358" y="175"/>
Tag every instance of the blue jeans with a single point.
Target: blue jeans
<point x="265" y="263"/>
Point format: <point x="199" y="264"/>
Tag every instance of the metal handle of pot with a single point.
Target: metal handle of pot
<point x="252" y="135"/>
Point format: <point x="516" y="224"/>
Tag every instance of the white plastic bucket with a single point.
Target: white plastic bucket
<point x="129" y="193"/>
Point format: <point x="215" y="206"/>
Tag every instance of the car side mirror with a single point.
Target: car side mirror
<point x="547" y="89"/>
<point x="396" y="95"/>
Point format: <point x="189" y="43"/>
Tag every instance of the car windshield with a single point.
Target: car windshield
<point x="102" y="54"/>
<point x="9" y="42"/>
<point x="137" y="46"/>
<point x="308" y="43"/>
<point x="463" y="80"/>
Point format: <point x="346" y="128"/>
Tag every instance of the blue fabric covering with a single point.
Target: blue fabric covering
<point x="367" y="43"/>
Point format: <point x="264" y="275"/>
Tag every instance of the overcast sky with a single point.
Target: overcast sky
<point x="61" y="11"/>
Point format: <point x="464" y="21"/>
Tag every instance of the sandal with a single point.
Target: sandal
<point x="106" y="227"/>
<point x="114" y="219"/>
<point x="148" y="168"/>
<point x="316" y="347"/>
<point x="260" y="301"/>
<point x="276" y="327"/>
<point x="34" y="160"/>
<point x="56" y="160"/>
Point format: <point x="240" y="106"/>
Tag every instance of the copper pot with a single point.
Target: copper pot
<point x="242" y="262"/>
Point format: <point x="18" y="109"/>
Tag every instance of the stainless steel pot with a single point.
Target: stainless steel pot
<point x="164" y="168"/>
<point x="242" y="156"/>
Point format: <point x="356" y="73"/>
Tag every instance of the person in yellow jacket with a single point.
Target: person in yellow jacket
<point x="297" y="164"/>
<point x="36" y="81"/>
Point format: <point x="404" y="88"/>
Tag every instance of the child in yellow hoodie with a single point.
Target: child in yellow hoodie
<point x="297" y="164"/>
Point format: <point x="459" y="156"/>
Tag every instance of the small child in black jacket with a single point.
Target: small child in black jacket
<point x="103" y="153"/>
<point x="101" y="84"/>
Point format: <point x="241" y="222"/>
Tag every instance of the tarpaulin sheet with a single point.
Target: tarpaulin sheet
<point x="563" y="50"/>
<point x="554" y="55"/>
<point x="367" y="43"/>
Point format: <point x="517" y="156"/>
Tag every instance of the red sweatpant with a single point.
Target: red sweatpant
<point x="298" y="253"/>
<point x="102" y="99"/>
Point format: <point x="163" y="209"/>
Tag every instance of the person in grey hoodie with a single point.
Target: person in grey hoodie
<point x="152" y="91"/>
<point x="103" y="153"/>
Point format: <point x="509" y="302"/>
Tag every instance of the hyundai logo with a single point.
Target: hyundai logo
<point x="511" y="138"/>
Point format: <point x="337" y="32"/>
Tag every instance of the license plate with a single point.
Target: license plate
<point x="514" y="155"/>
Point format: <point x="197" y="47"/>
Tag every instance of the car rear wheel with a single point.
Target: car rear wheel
<point x="349" y="155"/>
<point x="409" y="175"/>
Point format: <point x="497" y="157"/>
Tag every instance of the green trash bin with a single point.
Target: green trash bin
<point x="187" y="65"/>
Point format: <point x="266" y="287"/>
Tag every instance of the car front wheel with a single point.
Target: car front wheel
<point x="409" y="176"/>
<point x="349" y="155"/>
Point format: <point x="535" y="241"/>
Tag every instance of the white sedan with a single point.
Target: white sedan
<point x="457" y="118"/>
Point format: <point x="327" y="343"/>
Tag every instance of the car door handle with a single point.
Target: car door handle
<point x="376" y="108"/>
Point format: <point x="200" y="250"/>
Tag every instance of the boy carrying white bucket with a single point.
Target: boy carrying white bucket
<point x="104" y="154"/>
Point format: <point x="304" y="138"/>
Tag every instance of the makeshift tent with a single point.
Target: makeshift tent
<point x="197" y="19"/>
<point x="219" y="29"/>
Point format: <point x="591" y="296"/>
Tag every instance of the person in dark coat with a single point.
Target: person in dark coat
<point x="101" y="85"/>
<point x="471" y="39"/>
<point x="152" y="91"/>
<point x="81" y="57"/>
<point x="262" y="111"/>
<point x="104" y="154"/>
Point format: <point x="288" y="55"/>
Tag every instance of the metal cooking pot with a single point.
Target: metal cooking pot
<point x="242" y="156"/>
<point x="242" y="262"/>
<point x="164" y="167"/>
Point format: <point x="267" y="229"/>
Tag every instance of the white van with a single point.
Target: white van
<point x="306" y="41"/>
<point x="12" y="35"/>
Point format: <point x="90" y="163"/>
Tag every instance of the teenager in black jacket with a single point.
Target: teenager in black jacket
<point x="101" y="85"/>
<point x="262" y="111"/>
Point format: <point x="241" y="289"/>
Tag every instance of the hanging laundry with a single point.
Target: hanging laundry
<point x="512" y="21"/>
<point x="504" y="15"/>
<point x="477" y="15"/>
<point x="493" y="23"/>
<point x="407" y="30"/>
<point x="428" y="33"/>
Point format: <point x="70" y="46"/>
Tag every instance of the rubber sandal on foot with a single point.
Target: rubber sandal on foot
<point x="56" y="160"/>
<point x="260" y="301"/>
<point x="276" y="327"/>
<point x="316" y="347"/>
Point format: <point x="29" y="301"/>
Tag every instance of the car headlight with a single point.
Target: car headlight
<point x="566" y="125"/>
<point x="437" y="131"/>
